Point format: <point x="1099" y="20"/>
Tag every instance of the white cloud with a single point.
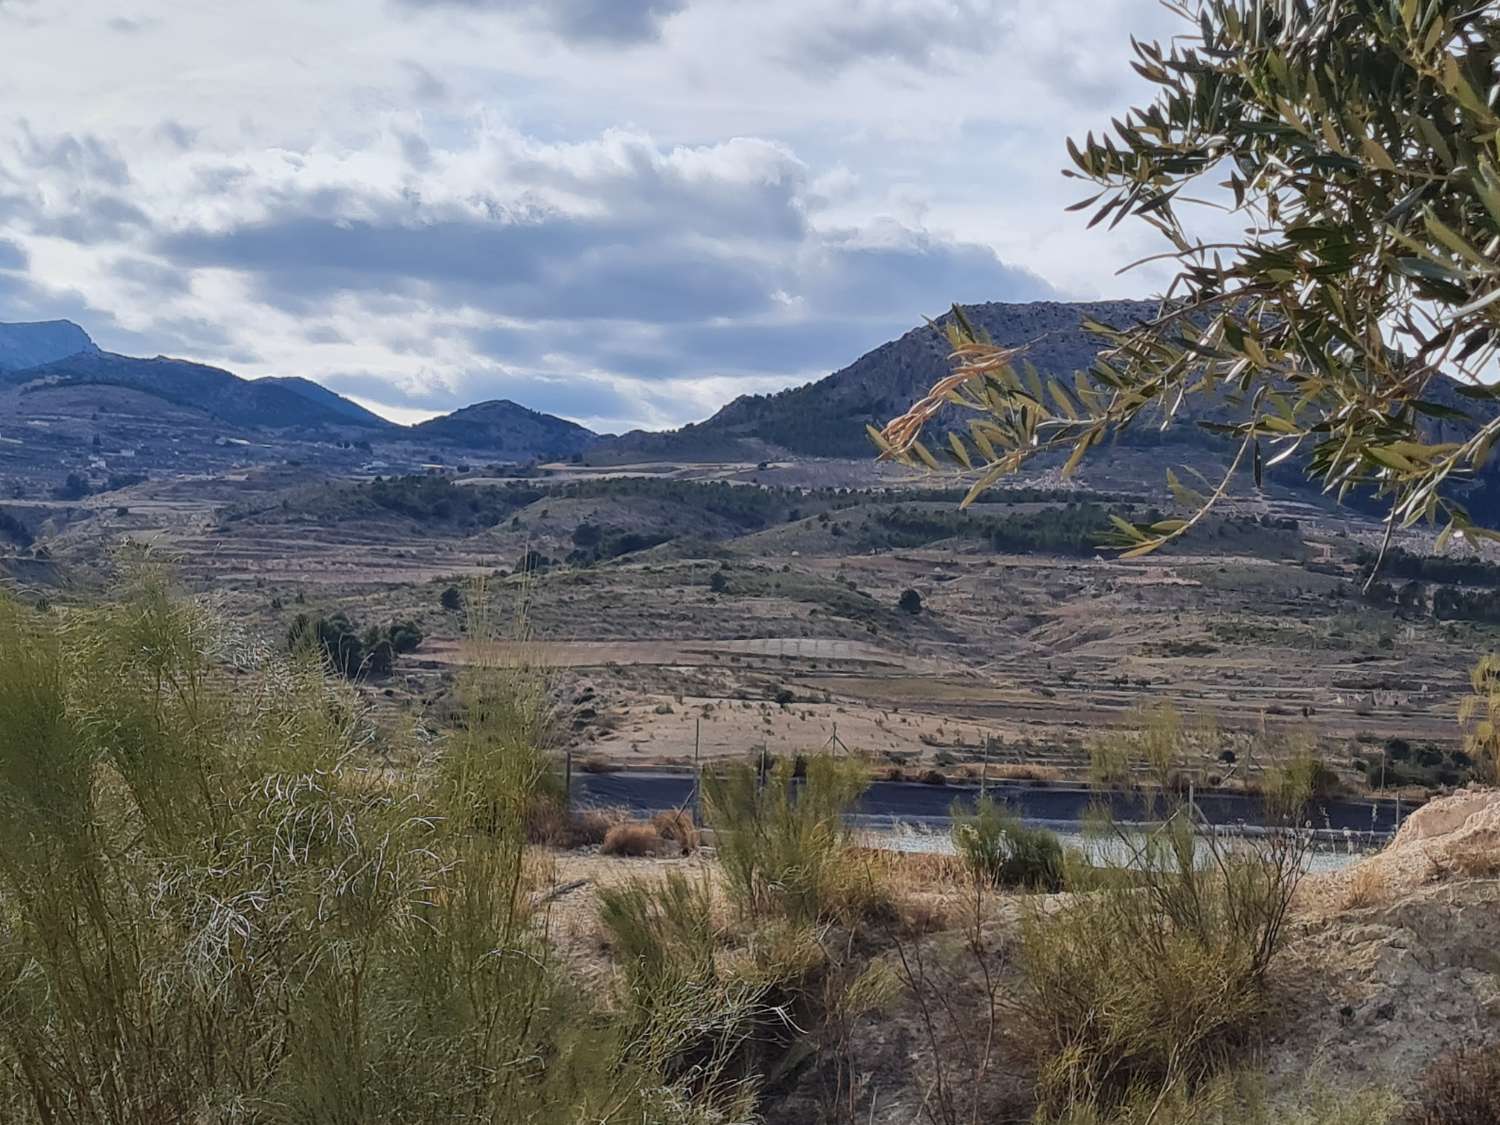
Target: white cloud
<point x="623" y="212"/>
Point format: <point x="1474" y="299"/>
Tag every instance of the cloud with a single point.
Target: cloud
<point x="616" y="258"/>
<point x="916" y="33"/>
<point x="584" y="21"/>
<point x="428" y="202"/>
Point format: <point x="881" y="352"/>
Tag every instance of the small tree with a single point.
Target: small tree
<point x="451" y="599"/>
<point x="404" y="636"/>
<point x="910" y="602"/>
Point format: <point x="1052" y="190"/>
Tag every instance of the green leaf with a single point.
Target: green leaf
<point x="1126" y="528"/>
<point x="1390" y="457"/>
<point x="1375" y="153"/>
<point x="927" y="458"/>
<point x="960" y="452"/>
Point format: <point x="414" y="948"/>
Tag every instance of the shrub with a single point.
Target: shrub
<point x="783" y="846"/>
<point x="1240" y="1099"/>
<point x="588" y="827"/>
<point x="211" y="909"/>
<point x="348" y="651"/>
<point x="910" y="602"/>
<point x="1461" y="1089"/>
<point x="451" y="599"/>
<point x="634" y="838"/>
<point x="404" y="636"/>
<point x="1148" y="983"/>
<point x="997" y="847"/>
<point x="734" y="1015"/>
<point x="663" y="935"/>
<point x="678" y="827"/>
<point x="1302" y="777"/>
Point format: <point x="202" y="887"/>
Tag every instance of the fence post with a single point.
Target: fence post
<point x="568" y="778"/>
<point x="697" y="773"/>
<point x="984" y="769"/>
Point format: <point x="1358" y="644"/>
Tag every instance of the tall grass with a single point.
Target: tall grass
<point x="213" y="908"/>
<point x="783" y="845"/>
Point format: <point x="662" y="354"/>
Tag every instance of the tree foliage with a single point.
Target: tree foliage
<point x="350" y="651"/>
<point x="1346" y="324"/>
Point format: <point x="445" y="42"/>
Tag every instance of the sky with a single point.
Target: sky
<point x="624" y="212"/>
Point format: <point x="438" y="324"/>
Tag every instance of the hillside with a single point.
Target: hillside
<point x="316" y="392"/>
<point x="194" y="386"/>
<point x="828" y="418"/>
<point x="504" y="430"/>
<point x="30" y="345"/>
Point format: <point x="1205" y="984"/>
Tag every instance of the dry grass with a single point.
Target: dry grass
<point x="1366" y="887"/>
<point x="588" y="827"/>
<point x="1462" y="1089"/>
<point x="549" y="823"/>
<point x="677" y="826"/>
<point x="1468" y="862"/>
<point x="633" y="838"/>
<point x="919" y="888"/>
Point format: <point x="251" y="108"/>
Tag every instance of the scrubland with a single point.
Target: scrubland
<point x="221" y="902"/>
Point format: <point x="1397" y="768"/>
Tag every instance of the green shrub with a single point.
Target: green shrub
<point x="1152" y="980"/>
<point x="663" y="935"/>
<point x="997" y="847"/>
<point x="731" y="1016"/>
<point x="347" y="650"/>
<point x="783" y="845"/>
<point x="211" y="909"/>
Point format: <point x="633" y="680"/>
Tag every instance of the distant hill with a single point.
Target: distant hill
<point x="30" y="345"/>
<point x="194" y="386"/>
<point x="828" y="418"/>
<point x="320" y="394"/>
<point x="506" y="431"/>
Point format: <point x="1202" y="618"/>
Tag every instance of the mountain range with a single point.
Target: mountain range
<point x="65" y="404"/>
<point x="825" y="418"/>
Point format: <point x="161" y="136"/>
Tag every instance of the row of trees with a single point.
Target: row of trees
<point x="347" y="649"/>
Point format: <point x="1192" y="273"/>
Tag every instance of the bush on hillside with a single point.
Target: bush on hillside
<point x="997" y="847"/>
<point x="347" y="650"/>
